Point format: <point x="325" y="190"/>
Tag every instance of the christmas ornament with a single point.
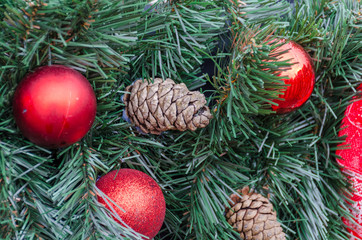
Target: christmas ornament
<point x="164" y="105"/>
<point x="351" y="159"/>
<point x="300" y="76"/>
<point x="138" y="195"/>
<point x="54" y="106"/>
<point x="253" y="217"/>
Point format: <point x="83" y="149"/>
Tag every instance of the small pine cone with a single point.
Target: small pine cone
<point x="164" y="105"/>
<point x="253" y="217"/>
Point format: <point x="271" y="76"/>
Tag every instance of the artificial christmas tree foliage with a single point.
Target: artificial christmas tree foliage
<point x="141" y="202"/>
<point x="54" y="106"/>
<point x="300" y="78"/>
<point x="164" y="105"/>
<point x="252" y="215"/>
<point x="290" y="157"/>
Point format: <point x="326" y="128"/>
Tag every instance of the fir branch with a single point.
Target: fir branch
<point x="257" y="11"/>
<point x="290" y="158"/>
<point x="249" y="84"/>
<point x="24" y="202"/>
<point x="171" y="36"/>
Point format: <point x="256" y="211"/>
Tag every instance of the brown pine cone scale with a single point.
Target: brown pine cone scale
<point x="164" y="105"/>
<point x="253" y="217"/>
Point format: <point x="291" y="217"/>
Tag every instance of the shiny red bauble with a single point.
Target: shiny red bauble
<point x="138" y="195"/>
<point x="54" y="106"/>
<point x="351" y="158"/>
<point x="300" y="77"/>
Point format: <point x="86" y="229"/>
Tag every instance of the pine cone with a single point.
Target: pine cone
<point x="253" y="217"/>
<point x="164" y="105"/>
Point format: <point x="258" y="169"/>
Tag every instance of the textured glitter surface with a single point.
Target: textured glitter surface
<point x="300" y="77"/>
<point x="138" y="195"/>
<point x="352" y="158"/>
<point x="54" y="106"/>
<point x="351" y="127"/>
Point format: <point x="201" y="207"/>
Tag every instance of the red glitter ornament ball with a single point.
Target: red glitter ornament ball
<point x="351" y="160"/>
<point x="54" y="106"/>
<point x="300" y="77"/>
<point x="138" y="195"/>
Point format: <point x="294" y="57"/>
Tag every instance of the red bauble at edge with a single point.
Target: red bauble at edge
<point x="138" y="195"/>
<point x="300" y="76"/>
<point x="54" y="106"/>
<point x="351" y="159"/>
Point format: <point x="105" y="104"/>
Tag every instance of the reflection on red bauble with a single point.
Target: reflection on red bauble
<point x="351" y="158"/>
<point x="138" y="195"/>
<point x="300" y="76"/>
<point x="54" y="106"/>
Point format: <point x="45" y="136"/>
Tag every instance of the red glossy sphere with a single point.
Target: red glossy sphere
<point x="138" y="195"/>
<point x="54" y="106"/>
<point x="300" y="76"/>
<point x="351" y="158"/>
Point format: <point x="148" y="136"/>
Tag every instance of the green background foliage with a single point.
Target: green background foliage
<point x="290" y="158"/>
